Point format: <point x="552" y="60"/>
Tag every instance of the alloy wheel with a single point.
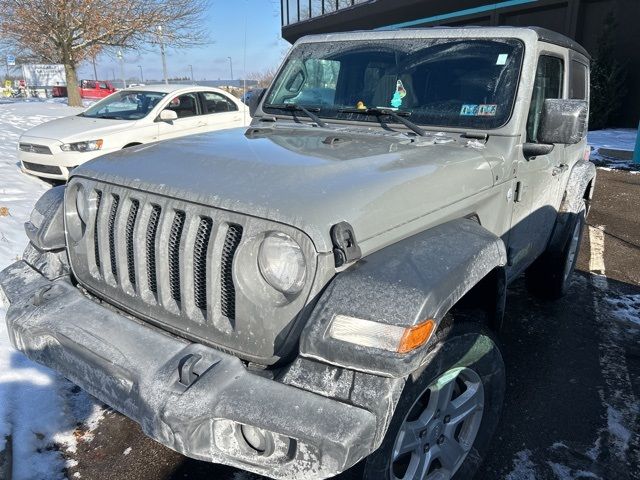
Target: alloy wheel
<point x="440" y="428"/>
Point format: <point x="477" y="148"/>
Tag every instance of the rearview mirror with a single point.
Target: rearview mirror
<point x="563" y="121"/>
<point x="168" y="115"/>
<point x="254" y="100"/>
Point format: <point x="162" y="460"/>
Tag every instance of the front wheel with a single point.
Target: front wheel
<point x="447" y="413"/>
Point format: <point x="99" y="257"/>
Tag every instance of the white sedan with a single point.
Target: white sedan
<point x="123" y="119"/>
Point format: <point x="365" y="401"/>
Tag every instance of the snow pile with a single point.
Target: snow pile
<point x="38" y="408"/>
<point x="626" y="308"/>
<point x="620" y="139"/>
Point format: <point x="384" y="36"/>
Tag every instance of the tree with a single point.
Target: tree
<point x="72" y="31"/>
<point x="263" y="77"/>
<point x="607" y="78"/>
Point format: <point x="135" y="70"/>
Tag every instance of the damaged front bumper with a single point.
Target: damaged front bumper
<point x="212" y="415"/>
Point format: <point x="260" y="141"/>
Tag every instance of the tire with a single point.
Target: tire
<point x="467" y="366"/>
<point x="550" y="275"/>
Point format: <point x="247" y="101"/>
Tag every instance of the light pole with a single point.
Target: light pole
<point x="120" y="57"/>
<point x="231" y="66"/>
<point x="164" y="60"/>
<point x="191" y="68"/>
<point x="141" y="77"/>
<point x="95" y="70"/>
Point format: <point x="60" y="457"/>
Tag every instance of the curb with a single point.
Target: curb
<point x="615" y="153"/>
<point x="6" y="460"/>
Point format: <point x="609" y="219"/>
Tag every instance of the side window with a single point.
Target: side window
<point x="185" y="105"/>
<point x="548" y="84"/>
<point x="216" y="103"/>
<point x="578" y="81"/>
<point x="103" y="85"/>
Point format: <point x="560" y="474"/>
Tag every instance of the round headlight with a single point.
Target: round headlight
<point x="282" y="263"/>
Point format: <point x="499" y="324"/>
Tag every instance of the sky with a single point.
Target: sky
<point x="225" y="20"/>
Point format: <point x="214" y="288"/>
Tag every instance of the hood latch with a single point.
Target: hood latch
<point x="345" y="246"/>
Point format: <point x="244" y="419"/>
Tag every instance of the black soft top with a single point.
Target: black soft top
<point x="556" y="38"/>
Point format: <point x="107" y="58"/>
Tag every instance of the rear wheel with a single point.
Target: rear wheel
<point x="447" y="414"/>
<point x="550" y="275"/>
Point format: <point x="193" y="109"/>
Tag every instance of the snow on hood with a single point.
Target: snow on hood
<point x="306" y="177"/>
<point x="76" y="128"/>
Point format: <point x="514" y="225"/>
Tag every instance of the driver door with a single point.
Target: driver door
<point x="536" y="189"/>
<point x="190" y="120"/>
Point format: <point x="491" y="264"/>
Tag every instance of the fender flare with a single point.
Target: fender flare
<point x="582" y="173"/>
<point x="418" y="278"/>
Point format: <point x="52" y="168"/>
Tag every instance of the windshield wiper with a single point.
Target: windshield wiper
<point x="379" y="111"/>
<point x="299" y="108"/>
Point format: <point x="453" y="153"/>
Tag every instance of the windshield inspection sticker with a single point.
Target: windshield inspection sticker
<point x="399" y="94"/>
<point x="502" y="59"/>
<point x="469" y="110"/>
<point x="483" y="110"/>
<point x="488" y="110"/>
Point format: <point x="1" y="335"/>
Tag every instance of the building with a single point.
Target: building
<point x="582" y="20"/>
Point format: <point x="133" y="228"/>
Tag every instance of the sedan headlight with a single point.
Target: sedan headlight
<point x="282" y="263"/>
<point x="88" y="146"/>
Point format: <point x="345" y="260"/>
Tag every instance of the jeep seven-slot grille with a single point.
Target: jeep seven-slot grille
<point x="200" y="262"/>
<point x="150" y="243"/>
<point x="228" y="291"/>
<point x="147" y="251"/>
<point x="174" y="255"/>
<point x="112" y="234"/>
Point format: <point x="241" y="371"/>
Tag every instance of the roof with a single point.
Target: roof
<point x="556" y="38"/>
<point x="164" y="88"/>
<point x="531" y="33"/>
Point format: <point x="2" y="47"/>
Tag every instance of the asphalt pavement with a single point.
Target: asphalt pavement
<point x="573" y="373"/>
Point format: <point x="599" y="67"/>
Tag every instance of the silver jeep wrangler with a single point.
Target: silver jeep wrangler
<point x="323" y="289"/>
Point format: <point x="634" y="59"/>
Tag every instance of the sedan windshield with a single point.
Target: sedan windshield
<point x="125" y="105"/>
<point x="468" y="83"/>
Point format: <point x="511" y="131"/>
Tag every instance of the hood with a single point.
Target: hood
<point x="75" y="128"/>
<point x="306" y="177"/>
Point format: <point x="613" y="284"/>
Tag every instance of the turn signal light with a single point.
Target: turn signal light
<point x="368" y="333"/>
<point x="417" y="336"/>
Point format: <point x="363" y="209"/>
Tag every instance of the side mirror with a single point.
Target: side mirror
<point x="255" y="99"/>
<point x="167" y="116"/>
<point x="562" y="121"/>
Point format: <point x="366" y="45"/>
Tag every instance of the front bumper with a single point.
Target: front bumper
<point x="134" y="368"/>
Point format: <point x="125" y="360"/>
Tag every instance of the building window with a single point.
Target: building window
<point x="294" y="11"/>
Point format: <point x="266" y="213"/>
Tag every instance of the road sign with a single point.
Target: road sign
<point x="11" y="60"/>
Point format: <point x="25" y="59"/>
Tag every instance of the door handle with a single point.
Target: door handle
<point x="563" y="167"/>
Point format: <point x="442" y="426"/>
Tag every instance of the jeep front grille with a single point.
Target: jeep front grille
<point x="138" y="242"/>
<point x="184" y="266"/>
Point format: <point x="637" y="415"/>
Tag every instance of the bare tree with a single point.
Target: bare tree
<point x="263" y="77"/>
<point x="72" y="31"/>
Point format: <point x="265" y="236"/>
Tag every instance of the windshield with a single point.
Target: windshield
<point x="125" y="105"/>
<point x="441" y="82"/>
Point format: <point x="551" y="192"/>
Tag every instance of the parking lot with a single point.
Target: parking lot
<point x="573" y="373"/>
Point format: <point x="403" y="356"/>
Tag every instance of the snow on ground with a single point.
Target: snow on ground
<point x="38" y="408"/>
<point x="613" y="139"/>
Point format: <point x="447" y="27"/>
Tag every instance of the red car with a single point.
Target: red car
<point x="95" y="88"/>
